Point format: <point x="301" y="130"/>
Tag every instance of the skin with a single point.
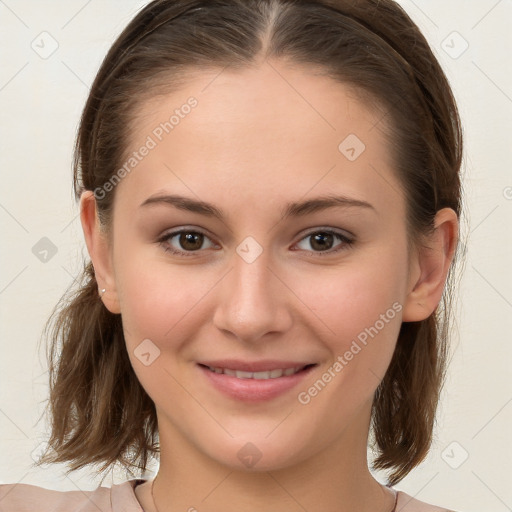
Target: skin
<point x="253" y="144"/>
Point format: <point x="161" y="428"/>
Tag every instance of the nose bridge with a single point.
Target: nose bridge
<point x="250" y="305"/>
<point x="251" y="277"/>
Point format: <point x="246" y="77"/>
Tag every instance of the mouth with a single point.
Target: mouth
<point x="260" y="375"/>
<point x="254" y="382"/>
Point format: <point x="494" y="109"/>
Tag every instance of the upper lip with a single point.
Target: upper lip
<point x="254" y="366"/>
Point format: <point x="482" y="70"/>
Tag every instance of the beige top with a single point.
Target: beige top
<point x="118" y="498"/>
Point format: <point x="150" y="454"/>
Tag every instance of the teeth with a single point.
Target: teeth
<point x="243" y="375"/>
<point x="268" y="375"/>
<point x="271" y="374"/>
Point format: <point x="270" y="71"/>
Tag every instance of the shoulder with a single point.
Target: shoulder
<point x="407" y="503"/>
<point x="31" y="498"/>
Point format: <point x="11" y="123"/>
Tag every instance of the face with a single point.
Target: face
<point x="265" y="277"/>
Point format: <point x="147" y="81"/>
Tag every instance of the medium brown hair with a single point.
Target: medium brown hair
<point x="100" y="414"/>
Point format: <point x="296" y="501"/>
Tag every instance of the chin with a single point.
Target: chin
<point x="260" y="453"/>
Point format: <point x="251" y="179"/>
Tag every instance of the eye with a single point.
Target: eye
<point x="189" y="240"/>
<point x="323" y="241"/>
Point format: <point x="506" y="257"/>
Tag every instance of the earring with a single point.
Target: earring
<point x="102" y="291"/>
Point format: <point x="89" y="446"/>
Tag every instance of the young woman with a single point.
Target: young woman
<point x="270" y="197"/>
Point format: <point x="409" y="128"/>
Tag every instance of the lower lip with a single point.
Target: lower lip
<point x="254" y="390"/>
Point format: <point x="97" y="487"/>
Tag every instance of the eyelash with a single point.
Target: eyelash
<point x="347" y="242"/>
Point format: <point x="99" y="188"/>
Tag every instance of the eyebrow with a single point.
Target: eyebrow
<point x="293" y="209"/>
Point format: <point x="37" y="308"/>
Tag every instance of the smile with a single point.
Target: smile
<point x="270" y="374"/>
<point x="254" y="381"/>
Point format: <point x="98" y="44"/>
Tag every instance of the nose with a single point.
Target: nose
<point x="253" y="301"/>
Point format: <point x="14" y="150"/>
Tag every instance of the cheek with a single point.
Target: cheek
<point x="352" y="298"/>
<point x="156" y="298"/>
<point x="358" y="310"/>
<point x="161" y="303"/>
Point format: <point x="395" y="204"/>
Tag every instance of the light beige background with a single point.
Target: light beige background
<point x="41" y="97"/>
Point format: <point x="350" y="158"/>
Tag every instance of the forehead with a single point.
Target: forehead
<point x="273" y="127"/>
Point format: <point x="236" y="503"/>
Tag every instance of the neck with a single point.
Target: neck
<point x="335" y="479"/>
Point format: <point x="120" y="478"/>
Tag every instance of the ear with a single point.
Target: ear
<point x="99" y="251"/>
<point x="429" y="268"/>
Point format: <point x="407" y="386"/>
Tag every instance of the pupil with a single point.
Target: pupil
<point x="190" y="238"/>
<point x="320" y="239"/>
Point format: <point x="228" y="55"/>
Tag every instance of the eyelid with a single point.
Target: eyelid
<point x="329" y="229"/>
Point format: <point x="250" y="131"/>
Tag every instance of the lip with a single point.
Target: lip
<point x="254" y="390"/>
